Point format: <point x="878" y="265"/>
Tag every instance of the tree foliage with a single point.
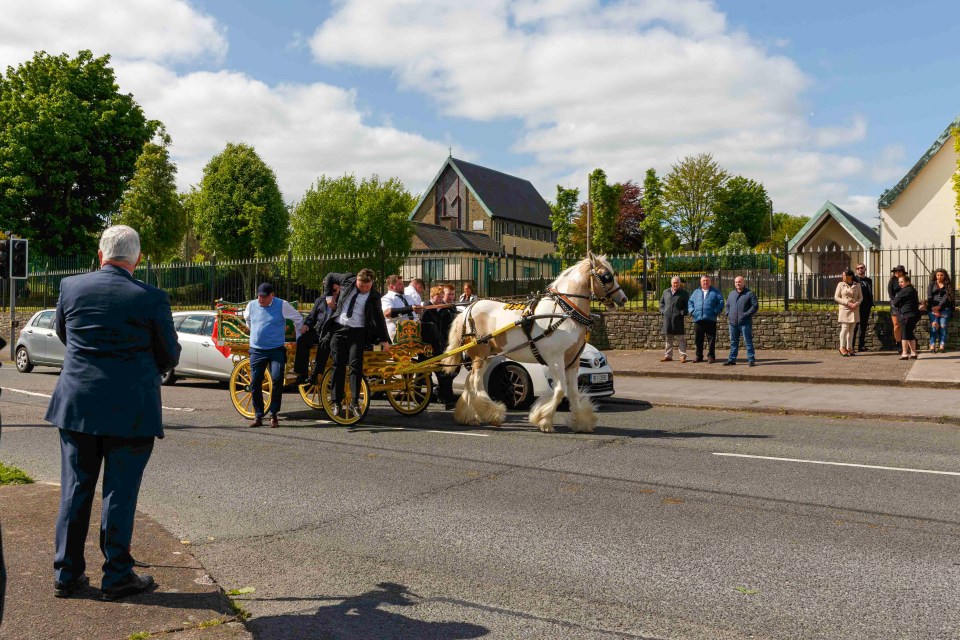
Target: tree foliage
<point x="657" y="235"/>
<point x="69" y="141"/>
<point x="151" y="204"/>
<point x="689" y="193"/>
<point x="562" y="218"/>
<point x="629" y="236"/>
<point x="239" y="212"/>
<point x="956" y="175"/>
<point x="341" y="215"/>
<point x="605" y="199"/>
<point x="741" y="205"/>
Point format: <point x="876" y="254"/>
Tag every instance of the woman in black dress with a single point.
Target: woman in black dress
<point x="907" y="305"/>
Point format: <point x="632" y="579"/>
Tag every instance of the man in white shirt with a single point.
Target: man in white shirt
<point x="414" y="292"/>
<point x="396" y="305"/>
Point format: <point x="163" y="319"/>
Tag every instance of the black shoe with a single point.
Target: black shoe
<point x="698" y="359"/>
<point x="301" y="379"/>
<point x="751" y="363"/>
<point x="729" y="363"/>
<point x="131" y="585"/>
<point x="67" y="589"/>
<point x="449" y="406"/>
<point x="336" y="409"/>
<point x="355" y="409"/>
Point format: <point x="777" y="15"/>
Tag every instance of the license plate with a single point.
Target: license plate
<point x="599" y="377"/>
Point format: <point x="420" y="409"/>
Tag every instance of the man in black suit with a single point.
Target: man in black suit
<point x="435" y="328"/>
<point x="355" y="313"/>
<point x="119" y="339"/>
<point x="866" y="287"/>
<point x="309" y="336"/>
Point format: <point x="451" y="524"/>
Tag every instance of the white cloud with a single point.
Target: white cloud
<point x="300" y="130"/>
<point x="890" y="165"/>
<point x="624" y="86"/>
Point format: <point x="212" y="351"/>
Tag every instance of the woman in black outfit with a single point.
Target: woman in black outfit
<point x="939" y="309"/>
<point x="907" y="304"/>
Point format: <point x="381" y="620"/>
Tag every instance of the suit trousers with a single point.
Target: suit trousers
<point x="260" y="359"/>
<point x="347" y="347"/>
<point x="123" y="460"/>
<point x="860" y="332"/>
<point x="305" y="342"/>
<point x="705" y="329"/>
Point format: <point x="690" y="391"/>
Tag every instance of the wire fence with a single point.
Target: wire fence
<point x="805" y="279"/>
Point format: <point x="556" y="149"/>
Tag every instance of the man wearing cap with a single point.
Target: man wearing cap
<point x="893" y="287"/>
<point x="267" y="319"/>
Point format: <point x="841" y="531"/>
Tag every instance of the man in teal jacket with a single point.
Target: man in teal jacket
<point x="704" y="306"/>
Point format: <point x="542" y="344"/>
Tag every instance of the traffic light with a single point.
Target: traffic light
<point x="4" y="259"/>
<point x="18" y="258"/>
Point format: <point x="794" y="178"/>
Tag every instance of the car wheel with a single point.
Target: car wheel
<point x="168" y="378"/>
<point x="23" y="361"/>
<point x="511" y="385"/>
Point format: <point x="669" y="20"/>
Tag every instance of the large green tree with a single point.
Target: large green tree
<point x="657" y="235"/>
<point x="342" y="215"/>
<point x="690" y="192"/>
<point x="69" y="141"/>
<point x="741" y="205"/>
<point x="629" y="235"/>
<point x="239" y="212"/>
<point x="605" y="199"/>
<point x="956" y="175"/>
<point x="151" y="204"/>
<point x="562" y="217"/>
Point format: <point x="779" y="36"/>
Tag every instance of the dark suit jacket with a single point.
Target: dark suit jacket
<point x="376" y="323"/>
<point x="119" y="336"/>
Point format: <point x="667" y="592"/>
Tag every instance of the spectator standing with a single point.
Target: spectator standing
<point x="414" y="292"/>
<point x="119" y="339"/>
<point x="267" y="320"/>
<point x="907" y="305"/>
<point x="940" y="304"/>
<point x="742" y="305"/>
<point x="468" y="295"/>
<point x="704" y="306"/>
<point x="673" y="308"/>
<point x="866" y="306"/>
<point x="893" y="287"/>
<point x="848" y="295"/>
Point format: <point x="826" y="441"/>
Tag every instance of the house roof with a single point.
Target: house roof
<point x="890" y="195"/>
<point x="862" y="233"/>
<point x="500" y="194"/>
<point x="439" y="238"/>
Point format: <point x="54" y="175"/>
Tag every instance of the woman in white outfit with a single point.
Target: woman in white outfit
<point x="849" y="295"/>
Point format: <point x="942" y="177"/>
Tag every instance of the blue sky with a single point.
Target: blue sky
<point x="816" y="99"/>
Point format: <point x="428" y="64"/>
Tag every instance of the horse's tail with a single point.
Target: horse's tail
<point x="454" y="339"/>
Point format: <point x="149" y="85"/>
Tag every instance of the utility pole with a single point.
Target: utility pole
<point x="589" y="210"/>
<point x="770" y="206"/>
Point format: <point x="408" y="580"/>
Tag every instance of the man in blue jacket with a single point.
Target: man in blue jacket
<point x="742" y="305"/>
<point x="704" y="306"/>
<point x="119" y="338"/>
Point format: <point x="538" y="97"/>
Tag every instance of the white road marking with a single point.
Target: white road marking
<point x="47" y="395"/>
<point x="841" y="464"/>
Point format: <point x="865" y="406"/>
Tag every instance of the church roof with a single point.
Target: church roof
<point x="890" y="195"/>
<point x="862" y="233"/>
<point x="438" y="238"/>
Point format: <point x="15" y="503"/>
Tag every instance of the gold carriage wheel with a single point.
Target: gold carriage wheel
<point x="310" y="390"/>
<point x="414" y="396"/>
<point x="241" y="391"/>
<point x="326" y="396"/>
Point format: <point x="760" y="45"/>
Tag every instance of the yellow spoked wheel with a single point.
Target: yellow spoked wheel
<point x="346" y="416"/>
<point x="241" y="389"/>
<point x="310" y="390"/>
<point x="413" y="396"/>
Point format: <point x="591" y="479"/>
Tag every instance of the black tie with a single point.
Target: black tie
<point x="353" y="301"/>
<point x="404" y="301"/>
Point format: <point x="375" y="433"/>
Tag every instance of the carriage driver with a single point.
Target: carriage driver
<point x="396" y="305"/>
<point x="354" y="313"/>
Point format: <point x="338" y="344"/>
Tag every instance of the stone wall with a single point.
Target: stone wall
<point x="782" y="330"/>
<point x="22" y="319"/>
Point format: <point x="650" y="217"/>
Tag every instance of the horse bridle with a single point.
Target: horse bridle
<point x="603" y="278"/>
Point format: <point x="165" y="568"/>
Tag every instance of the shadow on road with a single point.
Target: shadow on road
<point x="361" y="618"/>
<point x="665" y="434"/>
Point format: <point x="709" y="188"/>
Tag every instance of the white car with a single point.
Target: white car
<point x="519" y="384"/>
<point x="38" y="344"/>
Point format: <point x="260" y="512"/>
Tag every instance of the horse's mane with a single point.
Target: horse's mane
<point x="569" y="271"/>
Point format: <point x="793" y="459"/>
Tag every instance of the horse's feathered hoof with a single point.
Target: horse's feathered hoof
<point x="546" y="427"/>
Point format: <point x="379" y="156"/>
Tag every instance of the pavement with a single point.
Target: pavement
<point x="188" y="604"/>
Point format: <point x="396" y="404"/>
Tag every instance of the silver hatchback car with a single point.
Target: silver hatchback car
<point x="38" y="344"/>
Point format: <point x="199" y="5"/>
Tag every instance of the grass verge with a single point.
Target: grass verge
<point x="12" y="475"/>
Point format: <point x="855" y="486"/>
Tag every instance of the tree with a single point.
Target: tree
<point x="658" y="237"/>
<point x="68" y="145"/>
<point x="239" y="212"/>
<point x="741" y="205"/>
<point x="956" y="175"/>
<point x="562" y="218"/>
<point x="629" y="235"/>
<point x="785" y="226"/>
<point x="606" y="206"/>
<point x="690" y="192"/>
<point x="340" y="215"/>
<point x="151" y="204"/>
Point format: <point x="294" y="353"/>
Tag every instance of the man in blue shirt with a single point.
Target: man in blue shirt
<point x="704" y="306"/>
<point x="267" y="319"/>
<point x="742" y="305"/>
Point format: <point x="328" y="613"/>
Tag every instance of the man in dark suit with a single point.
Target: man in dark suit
<point x="355" y="313"/>
<point x="309" y="336"/>
<point x="866" y="288"/>
<point x="119" y="338"/>
<point x="435" y="328"/>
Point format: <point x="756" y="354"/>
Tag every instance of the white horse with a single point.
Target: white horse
<point x="553" y="332"/>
